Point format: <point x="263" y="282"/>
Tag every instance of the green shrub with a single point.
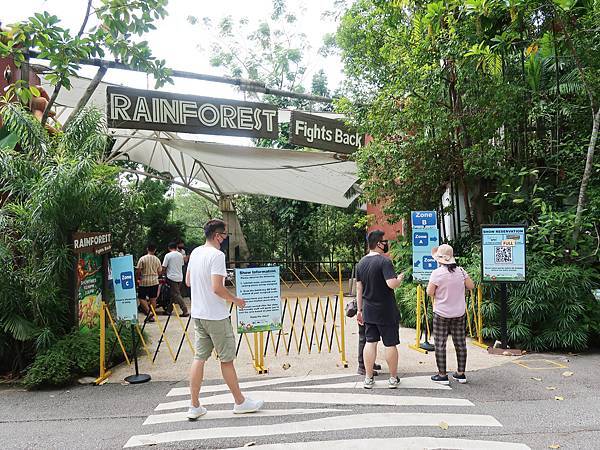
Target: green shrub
<point x="52" y="368"/>
<point x="76" y="354"/>
<point x="553" y="311"/>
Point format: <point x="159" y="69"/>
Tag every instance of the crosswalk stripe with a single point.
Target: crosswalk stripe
<point x="408" y="443"/>
<point x="406" y="383"/>
<point x="228" y="414"/>
<point x="327" y="398"/>
<point x="334" y="423"/>
<point x="250" y="384"/>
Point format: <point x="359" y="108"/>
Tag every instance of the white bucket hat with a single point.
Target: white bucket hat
<point x="444" y="254"/>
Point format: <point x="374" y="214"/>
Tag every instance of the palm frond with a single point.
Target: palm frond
<point x="86" y="134"/>
<point x="31" y="135"/>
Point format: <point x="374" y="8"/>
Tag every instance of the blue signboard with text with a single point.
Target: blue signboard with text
<point x="123" y="275"/>
<point x="425" y="236"/>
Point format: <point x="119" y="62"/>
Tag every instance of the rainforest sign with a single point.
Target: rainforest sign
<point x="165" y="111"/>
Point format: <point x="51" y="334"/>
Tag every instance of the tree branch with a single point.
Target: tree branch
<point x="59" y="84"/>
<point x="87" y="94"/>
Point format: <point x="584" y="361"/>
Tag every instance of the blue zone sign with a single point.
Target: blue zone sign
<point x="425" y="236"/>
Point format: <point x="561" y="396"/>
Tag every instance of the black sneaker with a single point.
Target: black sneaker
<point x="440" y="379"/>
<point x="462" y="379"/>
<point x="362" y="371"/>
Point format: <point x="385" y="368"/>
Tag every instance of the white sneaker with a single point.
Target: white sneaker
<point x="195" y="413"/>
<point x="369" y="383"/>
<point x="249" y="406"/>
<point x="393" y="382"/>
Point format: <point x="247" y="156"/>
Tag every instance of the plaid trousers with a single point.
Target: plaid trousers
<point x="455" y="326"/>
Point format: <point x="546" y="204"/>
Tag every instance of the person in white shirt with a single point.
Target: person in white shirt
<point x="212" y="323"/>
<point x="173" y="268"/>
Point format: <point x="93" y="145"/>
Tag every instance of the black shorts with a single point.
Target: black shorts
<point x="147" y="291"/>
<point x="389" y="334"/>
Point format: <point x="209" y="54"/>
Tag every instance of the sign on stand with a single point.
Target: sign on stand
<point x="425" y="236"/>
<point x="90" y="276"/>
<point x="260" y="288"/>
<point x="503" y="253"/>
<point x="123" y="275"/>
<point x="503" y="261"/>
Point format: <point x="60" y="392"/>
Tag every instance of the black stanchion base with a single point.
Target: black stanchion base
<point x="137" y="379"/>
<point x="427" y="346"/>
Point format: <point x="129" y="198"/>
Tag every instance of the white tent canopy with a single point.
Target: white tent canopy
<point x="221" y="169"/>
<point x="217" y="169"/>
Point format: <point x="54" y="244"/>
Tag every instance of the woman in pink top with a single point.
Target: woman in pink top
<point x="447" y="285"/>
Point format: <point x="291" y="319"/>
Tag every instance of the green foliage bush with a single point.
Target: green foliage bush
<point x="76" y="354"/>
<point x="554" y="310"/>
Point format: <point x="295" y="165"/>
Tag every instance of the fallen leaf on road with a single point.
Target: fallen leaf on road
<point x="559" y="398"/>
<point x="536" y="378"/>
<point x="286" y="366"/>
<point x="554" y="446"/>
<point x="443" y="425"/>
<point x="567" y="373"/>
<point x="551" y="388"/>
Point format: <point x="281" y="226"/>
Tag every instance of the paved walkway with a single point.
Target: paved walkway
<point x="326" y="410"/>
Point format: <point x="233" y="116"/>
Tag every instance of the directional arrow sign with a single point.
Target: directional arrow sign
<point x="424" y="238"/>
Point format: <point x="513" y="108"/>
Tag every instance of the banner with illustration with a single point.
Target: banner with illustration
<point x="89" y="289"/>
<point x="260" y="288"/>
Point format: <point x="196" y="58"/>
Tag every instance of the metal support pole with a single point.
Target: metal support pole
<point x="342" y="320"/>
<point x="138" y="377"/>
<point x="503" y="315"/>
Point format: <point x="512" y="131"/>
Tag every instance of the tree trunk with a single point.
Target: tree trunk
<point x="587" y="173"/>
<point x="87" y="94"/>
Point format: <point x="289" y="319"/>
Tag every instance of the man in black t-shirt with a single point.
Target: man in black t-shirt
<point x="375" y="283"/>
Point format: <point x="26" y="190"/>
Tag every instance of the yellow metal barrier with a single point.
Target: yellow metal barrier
<point x="342" y="320"/>
<point x="104" y="374"/>
<point x="479" y="320"/>
<point x="308" y="321"/>
<point x="420" y="301"/>
<point x="473" y="311"/>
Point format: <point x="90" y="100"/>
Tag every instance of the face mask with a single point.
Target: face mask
<point x="385" y="247"/>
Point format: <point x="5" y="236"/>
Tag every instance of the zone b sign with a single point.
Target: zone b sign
<point x="425" y="236"/>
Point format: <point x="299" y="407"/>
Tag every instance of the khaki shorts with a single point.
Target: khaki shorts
<point x="214" y="334"/>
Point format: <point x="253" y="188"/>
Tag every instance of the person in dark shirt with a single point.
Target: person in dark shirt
<point x="375" y="283"/>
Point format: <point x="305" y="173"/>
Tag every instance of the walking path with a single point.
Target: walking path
<point x="326" y="410"/>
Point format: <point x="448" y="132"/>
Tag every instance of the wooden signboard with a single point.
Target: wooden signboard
<point x="309" y="130"/>
<point x="165" y="111"/>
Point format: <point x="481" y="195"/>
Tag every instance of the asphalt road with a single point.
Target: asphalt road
<point x="513" y="396"/>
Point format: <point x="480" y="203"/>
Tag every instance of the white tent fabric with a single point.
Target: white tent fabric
<point x="228" y="169"/>
<point x="221" y="169"/>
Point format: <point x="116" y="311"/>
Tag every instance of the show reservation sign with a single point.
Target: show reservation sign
<point x="165" y="111"/>
<point x="308" y="130"/>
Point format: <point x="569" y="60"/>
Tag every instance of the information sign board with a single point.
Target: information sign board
<point x="260" y="288"/>
<point x="503" y="253"/>
<point x="123" y="276"/>
<point x="425" y="236"/>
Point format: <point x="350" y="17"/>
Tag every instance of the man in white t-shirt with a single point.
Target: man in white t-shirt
<point x="173" y="267"/>
<point x="210" y="310"/>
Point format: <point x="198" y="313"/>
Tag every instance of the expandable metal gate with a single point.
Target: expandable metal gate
<point x="312" y="320"/>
